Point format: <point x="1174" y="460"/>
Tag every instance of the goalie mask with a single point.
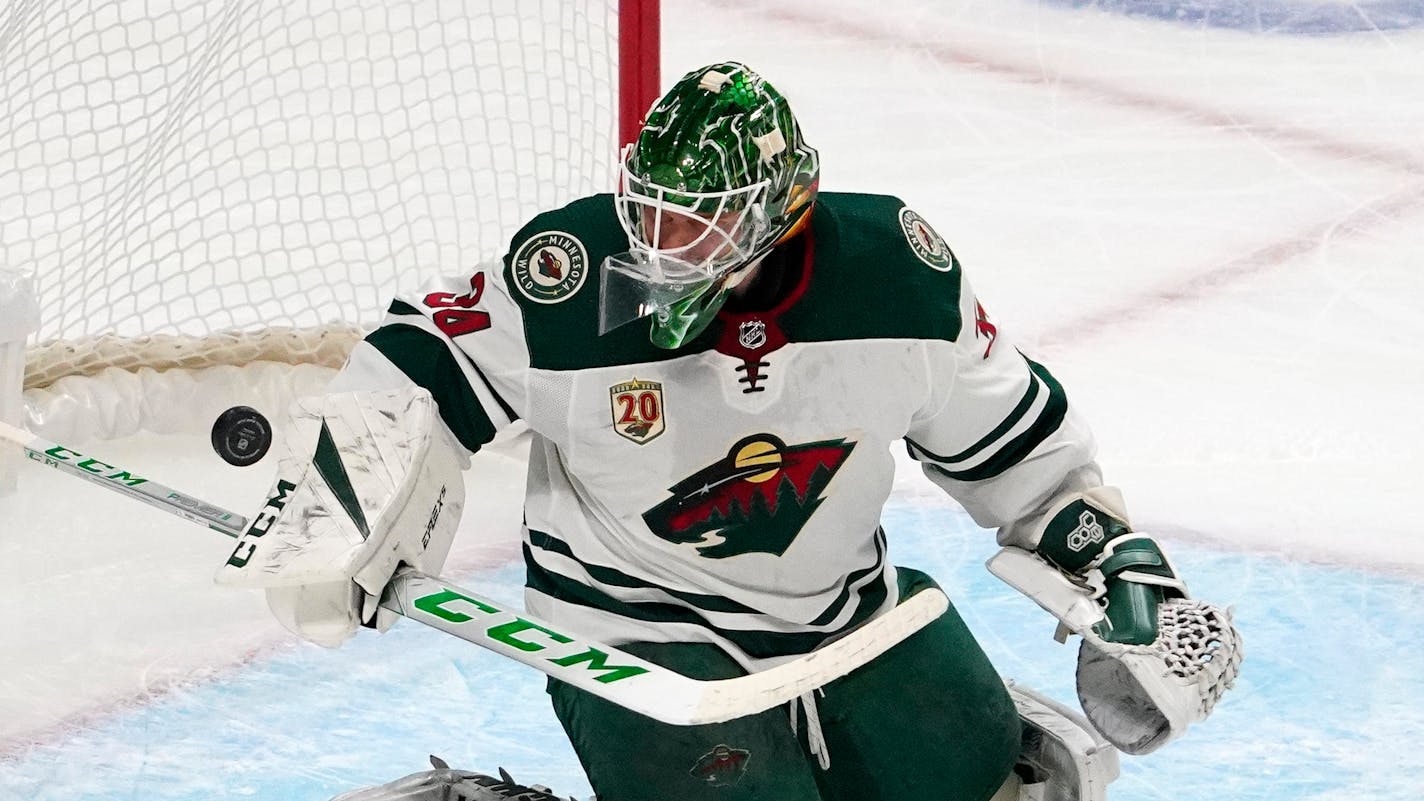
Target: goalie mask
<point x="718" y="176"/>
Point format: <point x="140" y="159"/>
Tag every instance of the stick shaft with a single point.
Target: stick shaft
<point x="601" y="669"/>
<point x="641" y="686"/>
<point x="106" y="475"/>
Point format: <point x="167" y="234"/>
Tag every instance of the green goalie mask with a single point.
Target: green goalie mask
<point x="718" y="176"/>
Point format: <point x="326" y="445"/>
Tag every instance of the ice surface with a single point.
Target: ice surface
<point x="1211" y="234"/>
<point x="1329" y="693"/>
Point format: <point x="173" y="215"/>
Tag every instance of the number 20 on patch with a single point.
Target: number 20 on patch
<point x="637" y="408"/>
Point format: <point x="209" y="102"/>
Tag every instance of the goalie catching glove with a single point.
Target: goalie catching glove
<point x="368" y="482"/>
<point x="1152" y="661"/>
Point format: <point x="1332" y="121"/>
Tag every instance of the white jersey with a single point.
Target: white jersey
<point x="730" y="491"/>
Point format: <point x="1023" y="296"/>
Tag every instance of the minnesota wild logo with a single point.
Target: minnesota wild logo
<point x="926" y="243"/>
<point x="756" y="499"/>
<point x="723" y="766"/>
<point x="550" y="267"/>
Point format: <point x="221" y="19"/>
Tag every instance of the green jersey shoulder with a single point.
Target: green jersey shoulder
<point x="874" y="269"/>
<point x="879" y="272"/>
<point x="552" y="270"/>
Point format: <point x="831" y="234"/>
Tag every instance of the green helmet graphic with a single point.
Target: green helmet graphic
<point x="717" y="177"/>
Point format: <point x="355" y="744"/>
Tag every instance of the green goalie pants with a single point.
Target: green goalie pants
<point x="930" y="719"/>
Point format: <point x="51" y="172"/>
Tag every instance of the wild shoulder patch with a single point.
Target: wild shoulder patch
<point x="928" y="246"/>
<point x="550" y="266"/>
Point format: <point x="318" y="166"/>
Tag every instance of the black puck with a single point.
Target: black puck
<point x="241" y="436"/>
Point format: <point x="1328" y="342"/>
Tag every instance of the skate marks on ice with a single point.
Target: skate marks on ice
<point x="1332" y="682"/>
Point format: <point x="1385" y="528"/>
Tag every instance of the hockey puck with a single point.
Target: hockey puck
<point x="241" y="436"/>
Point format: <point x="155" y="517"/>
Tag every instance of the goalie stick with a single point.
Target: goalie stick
<point x="603" y="670"/>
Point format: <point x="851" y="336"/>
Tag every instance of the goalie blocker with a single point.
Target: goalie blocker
<point x="367" y="482"/>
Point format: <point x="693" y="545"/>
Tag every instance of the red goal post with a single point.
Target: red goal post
<point x="198" y="183"/>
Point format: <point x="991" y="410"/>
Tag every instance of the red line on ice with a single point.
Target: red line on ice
<point x="1089" y="89"/>
<point x="1210" y="278"/>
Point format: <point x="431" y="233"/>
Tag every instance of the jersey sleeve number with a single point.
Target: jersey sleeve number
<point x="454" y="314"/>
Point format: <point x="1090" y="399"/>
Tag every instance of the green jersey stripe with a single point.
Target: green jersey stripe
<point x="1018" y="448"/>
<point x="427" y="360"/>
<point x="756" y="644"/>
<point x="712" y="603"/>
<point x="403" y="309"/>
<point x="1025" y="403"/>
<point x="834" y="610"/>
<point x="614" y="578"/>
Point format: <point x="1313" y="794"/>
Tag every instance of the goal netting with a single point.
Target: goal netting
<point x="194" y="183"/>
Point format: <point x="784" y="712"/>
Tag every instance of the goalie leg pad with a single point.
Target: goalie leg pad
<point x="444" y="784"/>
<point x="1062" y="758"/>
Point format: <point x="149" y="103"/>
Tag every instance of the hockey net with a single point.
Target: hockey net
<point x="194" y="183"/>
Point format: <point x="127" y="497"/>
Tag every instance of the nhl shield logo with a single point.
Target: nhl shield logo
<point x="751" y="334"/>
<point x="637" y="410"/>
